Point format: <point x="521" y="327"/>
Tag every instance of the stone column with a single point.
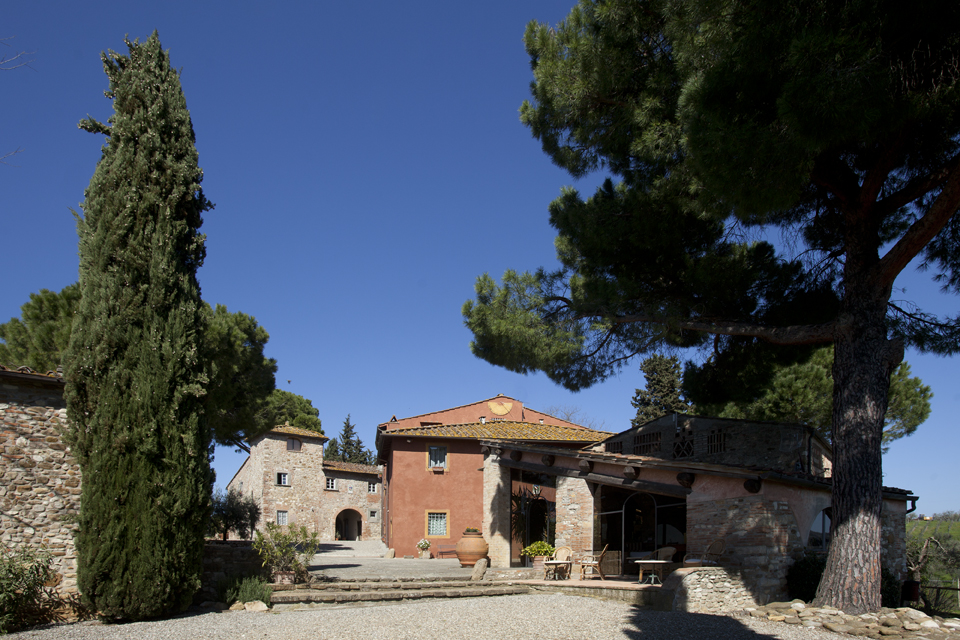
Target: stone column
<point x="496" y="510"/>
<point x="576" y="509"/>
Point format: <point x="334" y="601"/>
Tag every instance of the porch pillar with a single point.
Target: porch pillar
<point x="576" y="515"/>
<point x="496" y="509"/>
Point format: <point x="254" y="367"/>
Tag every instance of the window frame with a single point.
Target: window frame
<point x="446" y="456"/>
<point x="294" y="444"/>
<point x="283" y="478"/>
<point x="283" y="515"/>
<point x="331" y="484"/>
<point x="426" y="523"/>
<point x="372" y="487"/>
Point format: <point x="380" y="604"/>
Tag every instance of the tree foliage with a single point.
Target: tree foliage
<point x="232" y="511"/>
<point x="663" y="392"/>
<point x="833" y="125"/>
<point x="286" y="407"/>
<point x="240" y="378"/>
<point x="135" y="378"/>
<point x="803" y="393"/>
<point x="39" y="337"/>
<point x="348" y="447"/>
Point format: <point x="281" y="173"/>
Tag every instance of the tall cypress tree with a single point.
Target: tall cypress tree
<point x="134" y="379"/>
<point x="662" y="393"/>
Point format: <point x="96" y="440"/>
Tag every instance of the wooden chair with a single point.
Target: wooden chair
<point x="559" y="563"/>
<point x="710" y="557"/>
<point x="592" y="561"/>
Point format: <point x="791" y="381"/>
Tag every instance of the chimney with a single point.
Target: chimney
<point x="483" y="420"/>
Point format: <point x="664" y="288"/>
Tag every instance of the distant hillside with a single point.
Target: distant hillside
<point x="939" y="529"/>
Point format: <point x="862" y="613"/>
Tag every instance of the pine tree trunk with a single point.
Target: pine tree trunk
<point x="864" y="359"/>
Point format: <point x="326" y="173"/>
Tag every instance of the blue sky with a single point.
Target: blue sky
<point x="367" y="164"/>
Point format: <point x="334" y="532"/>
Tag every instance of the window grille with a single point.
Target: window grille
<point x="438" y="456"/>
<point x="281" y="518"/>
<point x="683" y="445"/>
<point x="293" y="444"/>
<point x="716" y="442"/>
<point x="615" y="447"/>
<point x="436" y="524"/>
<point x="332" y="484"/>
<point x="371" y="487"/>
<point x="645" y="444"/>
<point x="373" y="514"/>
<point x="283" y="479"/>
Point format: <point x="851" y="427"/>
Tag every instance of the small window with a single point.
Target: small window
<point x="281" y="518"/>
<point x="438" y="457"/>
<point x="615" y="447"/>
<point x="436" y="524"/>
<point x="371" y="487"/>
<point x="283" y="479"/>
<point x="716" y="443"/>
<point x="373" y="514"/>
<point x="646" y="444"/>
<point x="332" y="484"/>
<point x="293" y="444"/>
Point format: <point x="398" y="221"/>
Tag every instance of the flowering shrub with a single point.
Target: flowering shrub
<point x="540" y="548"/>
<point x="423" y="545"/>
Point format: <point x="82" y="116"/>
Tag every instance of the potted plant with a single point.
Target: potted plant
<point x="539" y="551"/>
<point x="424" y="547"/>
<point x="285" y="551"/>
<point x="471" y="547"/>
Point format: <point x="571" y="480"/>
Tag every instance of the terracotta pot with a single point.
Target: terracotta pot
<point x="471" y="548"/>
<point x="538" y="562"/>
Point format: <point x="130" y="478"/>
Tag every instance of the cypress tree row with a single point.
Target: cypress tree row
<point x="134" y="380"/>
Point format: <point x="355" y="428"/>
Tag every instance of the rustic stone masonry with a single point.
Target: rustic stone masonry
<point x="902" y="622"/>
<point x="496" y="510"/>
<point x="222" y="560"/>
<point x="39" y="480"/>
<point x="576" y="516"/>
<point x="761" y="538"/>
<point x="708" y="590"/>
<point x="288" y="477"/>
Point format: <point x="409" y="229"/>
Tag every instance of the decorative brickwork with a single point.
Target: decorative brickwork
<point x="40" y="487"/>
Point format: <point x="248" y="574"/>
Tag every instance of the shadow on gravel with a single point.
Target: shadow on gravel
<point x="669" y="625"/>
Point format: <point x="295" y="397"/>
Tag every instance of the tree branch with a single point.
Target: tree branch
<point x="916" y="188"/>
<point x="923" y="230"/>
<point x="797" y="334"/>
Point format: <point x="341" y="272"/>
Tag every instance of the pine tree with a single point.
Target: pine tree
<point x="134" y="378"/>
<point x="349" y="448"/>
<point x="332" y="451"/>
<point x="662" y="393"/>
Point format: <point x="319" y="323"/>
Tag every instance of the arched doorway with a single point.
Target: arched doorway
<point x="349" y="525"/>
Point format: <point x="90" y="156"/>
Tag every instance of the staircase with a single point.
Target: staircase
<point x="353" y="549"/>
<point x="349" y="591"/>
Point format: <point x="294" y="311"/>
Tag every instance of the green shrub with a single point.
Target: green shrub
<point x="539" y="548"/>
<point x="24" y="601"/>
<point x="244" y="589"/>
<point x="286" y="548"/>
<point x="803" y="578"/>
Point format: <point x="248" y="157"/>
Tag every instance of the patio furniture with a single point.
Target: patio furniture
<point x="655" y="565"/>
<point x="710" y="557"/>
<point x="559" y="563"/>
<point x="592" y="561"/>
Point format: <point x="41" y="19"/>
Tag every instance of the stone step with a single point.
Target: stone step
<point x="399" y="591"/>
<point x="379" y="585"/>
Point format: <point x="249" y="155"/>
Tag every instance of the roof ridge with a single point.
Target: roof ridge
<point x="459" y="406"/>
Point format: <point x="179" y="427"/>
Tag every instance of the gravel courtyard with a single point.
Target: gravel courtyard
<point x="497" y="618"/>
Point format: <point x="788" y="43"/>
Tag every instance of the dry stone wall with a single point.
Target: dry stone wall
<point x="708" y="590"/>
<point x="39" y="480"/>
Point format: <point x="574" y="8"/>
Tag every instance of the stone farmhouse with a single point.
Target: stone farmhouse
<point x="434" y="484"/>
<point x="40" y="487"/>
<point x="288" y="477"/>
<point x="763" y="489"/>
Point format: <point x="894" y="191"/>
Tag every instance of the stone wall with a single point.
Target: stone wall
<point x="893" y="537"/>
<point x="353" y="493"/>
<point x="761" y="537"/>
<point x="496" y="510"/>
<point x="708" y="590"/>
<point x="222" y="560"/>
<point x="576" y="516"/>
<point x="40" y="487"/>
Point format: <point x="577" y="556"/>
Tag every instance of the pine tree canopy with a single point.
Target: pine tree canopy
<point x="286" y="407"/>
<point x="803" y="393"/>
<point x="832" y="125"/>
<point x="662" y="394"/>
<point x="42" y="333"/>
<point x="134" y="373"/>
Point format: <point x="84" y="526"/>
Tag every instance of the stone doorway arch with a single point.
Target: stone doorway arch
<point x="349" y="525"/>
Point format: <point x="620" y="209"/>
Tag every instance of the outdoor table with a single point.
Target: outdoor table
<point x="656" y="566"/>
<point x="557" y="565"/>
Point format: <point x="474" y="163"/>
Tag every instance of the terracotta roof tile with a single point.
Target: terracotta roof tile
<point x="504" y="431"/>
<point x="286" y="429"/>
<point x="352" y="467"/>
